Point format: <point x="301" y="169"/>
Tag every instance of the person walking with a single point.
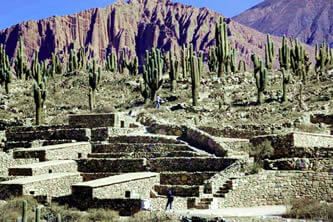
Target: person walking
<point x="170" y="199"/>
<point x="158" y="102"/>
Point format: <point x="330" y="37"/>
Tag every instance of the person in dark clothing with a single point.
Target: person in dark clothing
<point x="170" y="200"/>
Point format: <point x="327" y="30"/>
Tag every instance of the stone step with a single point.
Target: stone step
<point x="49" y="133"/>
<point x="55" y="152"/>
<point x="46" y="185"/>
<point x="144" y="154"/>
<point x="55" y="166"/>
<point x="138" y="147"/>
<point x="151" y="138"/>
<point x="129" y="185"/>
<point x="185" y="178"/>
<point x="112" y="165"/>
<point x="193" y="164"/>
<point x="178" y="190"/>
<point x="96" y="120"/>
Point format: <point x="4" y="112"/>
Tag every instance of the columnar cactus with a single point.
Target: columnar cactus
<point x="133" y="66"/>
<point x="260" y="75"/>
<point x="153" y="71"/>
<point x="269" y="53"/>
<point x="111" y="62"/>
<point x="94" y="78"/>
<point x="286" y="79"/>
<point x="223" y="51"/>
<point x="24" y="211"/>
<point x="324" y="59"/>
<point x="59" y="219"/>
<point x="5" y="71"/>
<point x="173" y="71"/>
<point x="195" y="77"/>
<point x="39" y="88"/>
<point x="241" y="66"/>
<point x="37" y="214"/>
<point x="20" y="61"/>
<point x="284" y="55"/>
<point x="56" y="67"/>
<point x="300" y="62"/>
<point x="185" y="60"/>
<point x="212" y="60"/>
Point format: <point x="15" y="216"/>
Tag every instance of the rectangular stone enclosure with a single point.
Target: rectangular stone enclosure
<point x="55" y="152"/>
<point x="48" y="167"/>
<point x="125" y="186"/>
<point x="95" y="120"/>
<point x="47" y="185"/>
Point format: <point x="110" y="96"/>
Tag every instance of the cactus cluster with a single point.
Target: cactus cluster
<point x="260" y="75"/>
<point x="55" y="64"/>
<point x="153" y="72"/>
<point x="126" y="65"/>
<point x="185" y="60"/>
<point x="212" y="60"/>
<point x="324" y="59"/>
<point x="226" y="56"/>
<point x="300" y="61"/>
<point x="24" y="215"/>
<point x="77" y="60"/>
<point x="94" y="79"/>
<point x="5" y="69"/>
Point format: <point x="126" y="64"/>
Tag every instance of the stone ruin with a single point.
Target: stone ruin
<point x="111" y="160"/>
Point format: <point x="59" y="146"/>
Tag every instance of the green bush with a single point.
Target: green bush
<point x="262" y="151"/>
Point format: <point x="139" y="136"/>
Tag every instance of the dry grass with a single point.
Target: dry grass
<point x="307" y="208"/>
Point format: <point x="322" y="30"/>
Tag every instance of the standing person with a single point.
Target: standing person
<point x="170" y="199"/>
<point x="158" y="102"/>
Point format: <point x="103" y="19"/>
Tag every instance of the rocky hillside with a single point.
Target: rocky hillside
<point x="309" y="20"/>
<point x="137" y="25"/>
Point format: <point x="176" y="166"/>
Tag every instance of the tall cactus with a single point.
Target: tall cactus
<point x="269" y="53"/>
<point x="324" y="59"/>
<point x="300" y="62"/>
<point x="94" y="78"/>
<point x="24" y="211"/>
<point x="153" y="71"/>
<point x="173" y="71"/>
<point x="39" y="88"/>
<point x="20" y="61"/>
<point x="260" y="75"/>
<point x="241" y="66"/>
<point x="5" y="69"/>
<point x="212" y="60"/>
<point x="185" y="61"/>
<point x="59" y="219"/>
<point x="284" y="55"/>
<point x="195" y="77"/>
<point x="111" y="62"/>
<point x="223" y="51"/>
<point x="37" y="214"/>
<point x="286" y="79"/>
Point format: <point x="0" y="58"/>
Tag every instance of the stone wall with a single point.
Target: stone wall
<point x="94" y="120"/>
<point x="137" y="147"/>
<point x="50" y="185"/>
<point x="185" y="178"/>
<point x="7" y="161"/>
<point x="56" y="152"/>
<point x="279" y="187"/>
<point x="190" y="164"/>
<point x="178" y="190"/>
<point x="322" y="118"/>
<point x="103" y="133"/>
<point x="315" y="164"/>
<point x="298" y="144"/>
<point x="112" y="165"/>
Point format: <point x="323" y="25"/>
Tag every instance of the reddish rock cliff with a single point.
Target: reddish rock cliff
<point x="137" y="25"/>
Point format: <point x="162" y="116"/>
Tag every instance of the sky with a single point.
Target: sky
<point x="16" y="11"/>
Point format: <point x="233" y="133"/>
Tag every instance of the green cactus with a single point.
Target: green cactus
<point x="233" y="66"/>
<point x="39" y="88"/>
<point x="153" y="71"/>
<point x="59" y="219"/>
<point x="133" y="66"/>
<point x="241" y="66"/>
<point x="37" y="214"/>
<point x="300" y="61"/>
<point x="286" y="79"/>
<point x="111" y="62"/>
<point x="185" y="62"/>
<point x="284" y="55"/>
<point x="260" y="75"/>
<point x="24" y="211"/>
<point x="212" y="60"/>
<point x="195" y="77"/>
<point x="20" y="61"/>
<point x="269" y="53"/>
<point x="324" y="59"/>
<point x="94" y="78"/>
<point x="225" y="56"/>
<point x="5" y="69"/>
<point x="173" y="71"/>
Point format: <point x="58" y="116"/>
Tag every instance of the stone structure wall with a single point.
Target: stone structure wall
<point x="279" y="187"/>
<point x="178" y="190"/>
<point x="112" y="165"/>
<point x="94" y="120"/>
<point x="298" y="144"/>
<point x="7" y="161"/>
<point x="59" y="166"/>
<point x="103" y="133"/>
<point x="56" y="152"/>
<point x="322" y="118"/>
<point x="185" y="178"/>
<point x="141" y="147"/>
<point x="314" y="164"/>
<point x="55" y="185"/>
<point x="190" y="164"/>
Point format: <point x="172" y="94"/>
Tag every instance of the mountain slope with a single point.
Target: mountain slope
<point x="137" y="25"/>
<point x="309" y="20"/>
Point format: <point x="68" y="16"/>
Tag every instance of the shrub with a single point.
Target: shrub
<point x="307" y="208"/>
<point x="262" y="151"/>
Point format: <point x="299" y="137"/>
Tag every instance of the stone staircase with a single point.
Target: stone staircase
<point x="226" y="188"/>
